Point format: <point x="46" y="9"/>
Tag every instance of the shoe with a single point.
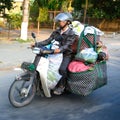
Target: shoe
<point x="59" y="90"/>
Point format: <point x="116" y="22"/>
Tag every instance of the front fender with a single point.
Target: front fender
<point x="24" y="76"/>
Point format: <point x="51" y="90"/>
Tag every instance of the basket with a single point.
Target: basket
<point x="83" y="83"/>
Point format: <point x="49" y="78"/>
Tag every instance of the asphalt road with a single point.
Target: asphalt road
<point x="102" y="104"/>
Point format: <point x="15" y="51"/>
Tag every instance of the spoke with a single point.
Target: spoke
<point x="18" y="90"/>
<point x="23" y="84"/>
<point x="23" y="99"/>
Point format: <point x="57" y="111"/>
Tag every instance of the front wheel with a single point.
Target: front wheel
<point x="21" y="93"/>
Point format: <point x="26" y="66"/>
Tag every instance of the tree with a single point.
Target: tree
<point x="55" y="4"/>
<point x="5" y="4"/>
<point x="24" y="25"/>
<point x="108" y="9"/>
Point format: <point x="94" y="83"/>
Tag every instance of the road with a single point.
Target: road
<point x="102" y="104"/>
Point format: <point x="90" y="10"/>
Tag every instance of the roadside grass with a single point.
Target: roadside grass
<point x="23" y="41"/>
<point x="12" y="36"/>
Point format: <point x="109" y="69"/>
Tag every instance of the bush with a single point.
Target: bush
<point x="96" y="13"/>
<point x="14" y="20"/>
<point x="43" y="15"/>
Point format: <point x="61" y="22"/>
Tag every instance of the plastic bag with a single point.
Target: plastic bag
<point x="49" y="74"/>
<point x="77" y="27"/>
<point x="42" y="67"/>
<point x="87" y="55"/>
<point x="92" y="29"/>
<point x="53" y="75"/>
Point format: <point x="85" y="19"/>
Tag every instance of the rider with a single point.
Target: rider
<point x="65" y="35"/>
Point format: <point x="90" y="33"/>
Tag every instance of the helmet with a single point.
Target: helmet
<point x="63" y="17"/>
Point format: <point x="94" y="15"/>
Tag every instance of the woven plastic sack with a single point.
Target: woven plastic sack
<point x="84" y="83"/>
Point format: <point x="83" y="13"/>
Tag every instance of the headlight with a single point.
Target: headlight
<point x="36" y="50"/>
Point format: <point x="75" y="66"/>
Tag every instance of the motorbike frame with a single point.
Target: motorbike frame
<point x="30" y="73"/>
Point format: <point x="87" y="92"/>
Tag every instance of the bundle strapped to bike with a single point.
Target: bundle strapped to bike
<point x="85" y="82"/>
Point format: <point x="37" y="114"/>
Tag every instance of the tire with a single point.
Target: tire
<point x="17" y="93"/>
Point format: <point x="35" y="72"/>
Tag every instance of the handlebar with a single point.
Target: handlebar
<point x="47" y="51"/>
<point x="41" y="51"/>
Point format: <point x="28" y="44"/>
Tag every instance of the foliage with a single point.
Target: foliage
<point x="108" y="9"/>
<point x="6" y="4"/>
<point x="55" y="4"/>
<point x="42" y="3"/>
<point x="77" y="4"/>
<point x="2" y="25"/>
<point x="77" y="14"/>
<point x="42" y="7"/>
<point x="34" y="11"/>
<point x="96" y="13"/>
<point x="14" y="20"/>
<point x="64" y="5"/>
<point x="43" y="14"/>
<point x="50" y="4"/>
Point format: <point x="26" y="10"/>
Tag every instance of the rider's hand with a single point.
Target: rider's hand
<point x="32" y="45"/>
<point x="57" y="51"/>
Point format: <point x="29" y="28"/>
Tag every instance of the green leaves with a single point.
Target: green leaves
<point x="43" y="14"/>
<point x="8" y="4"/>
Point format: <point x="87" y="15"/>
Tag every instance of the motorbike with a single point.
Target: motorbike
<point x="33" y="80"/>
<point x="28" y="83"/>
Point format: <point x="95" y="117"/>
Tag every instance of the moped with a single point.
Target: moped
<point x="30" y="82"/>
<point x="33" y="80"/>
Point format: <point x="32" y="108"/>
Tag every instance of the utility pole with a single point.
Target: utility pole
<point x="85" y="10"/>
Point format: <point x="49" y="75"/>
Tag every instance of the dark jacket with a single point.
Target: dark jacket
<point x="66" y="40"/>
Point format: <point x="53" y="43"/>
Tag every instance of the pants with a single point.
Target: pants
<point x="63" y="71"/>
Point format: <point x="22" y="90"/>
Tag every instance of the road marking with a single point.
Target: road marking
<point x="97" y="108"/>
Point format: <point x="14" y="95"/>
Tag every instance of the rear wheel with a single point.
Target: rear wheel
<point x="21" y="93"/>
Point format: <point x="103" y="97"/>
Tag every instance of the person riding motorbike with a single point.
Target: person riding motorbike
<point x="65" y="36"/>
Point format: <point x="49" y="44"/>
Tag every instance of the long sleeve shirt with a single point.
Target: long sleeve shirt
<point x="65" y="39"/>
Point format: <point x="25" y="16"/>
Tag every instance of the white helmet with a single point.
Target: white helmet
<point x="64" y="17"/>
